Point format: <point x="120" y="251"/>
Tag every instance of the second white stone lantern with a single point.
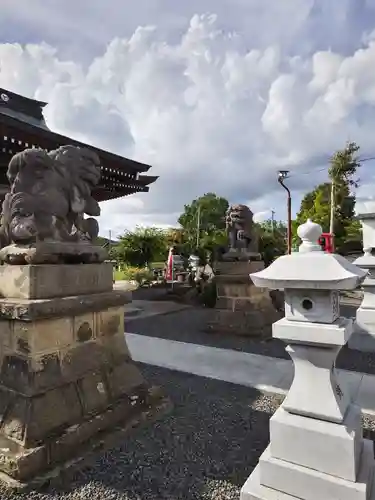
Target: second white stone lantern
<point x="363" y="338"/>
<point x="316" y="449"/>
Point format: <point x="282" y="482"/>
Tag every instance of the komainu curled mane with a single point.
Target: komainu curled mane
<point x="50" y="192"/>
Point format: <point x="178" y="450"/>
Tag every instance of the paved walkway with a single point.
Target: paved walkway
<point x="140" y="309"/>
<point x="268" y="375"/>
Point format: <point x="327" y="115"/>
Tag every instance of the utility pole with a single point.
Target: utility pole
<point x="198" y="225"/>
<point x="273" y="221"/>
<point x="284" y="174"/>
<point x="332" y="213"/>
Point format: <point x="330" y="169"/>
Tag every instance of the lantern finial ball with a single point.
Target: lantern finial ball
<point x="309" y="232"/>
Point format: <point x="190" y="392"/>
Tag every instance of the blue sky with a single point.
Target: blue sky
<point x="215" y="94"/>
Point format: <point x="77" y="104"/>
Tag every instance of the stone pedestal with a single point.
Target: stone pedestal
<point x="241" y="307"/>
<point x="66" y="374"/>
<point x="316" y="448"/>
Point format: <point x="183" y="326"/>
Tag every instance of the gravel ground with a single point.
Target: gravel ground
<point x="205" y="449"/>
<point x="188" y="326"/>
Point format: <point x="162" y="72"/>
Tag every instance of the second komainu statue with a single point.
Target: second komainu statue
<point x="43" y="213"/>
<point x="242" y="234"/>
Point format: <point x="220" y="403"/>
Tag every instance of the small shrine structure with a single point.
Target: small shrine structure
<point x="316" y="448"/>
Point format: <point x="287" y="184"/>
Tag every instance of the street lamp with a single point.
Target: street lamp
<point x="284" y="174"/>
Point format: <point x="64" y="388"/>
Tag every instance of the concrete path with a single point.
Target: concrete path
<point x="268" y="375"/>
<point x="139" y="309"/>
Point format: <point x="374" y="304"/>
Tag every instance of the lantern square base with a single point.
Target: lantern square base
<point x="318" y="444"/>
<point x="275" y="479"/>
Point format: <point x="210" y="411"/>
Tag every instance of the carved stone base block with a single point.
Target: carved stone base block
<point x="242" y="308"/>
<point x="66" y="376"/>
<point x="49" y="281"/>
<point x="53" y="252"/>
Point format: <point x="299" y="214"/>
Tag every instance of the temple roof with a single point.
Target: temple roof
<point x="22" y="126"/>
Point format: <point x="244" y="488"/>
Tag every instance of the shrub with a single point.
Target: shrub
<point x="140" y="275"/>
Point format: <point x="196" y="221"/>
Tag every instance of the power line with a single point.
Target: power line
<point x="315" y="171"/>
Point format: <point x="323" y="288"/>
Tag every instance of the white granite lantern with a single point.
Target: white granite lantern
<point x="316" y="449"/>
<point x="363" y="338"/>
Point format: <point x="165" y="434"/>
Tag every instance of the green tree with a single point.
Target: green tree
<point x="141" y="247"/>
<point x="316" y="205"/>
<point x="272" y="240"/>
<point x="342" y="172"/>
<point x="209" y="210"/>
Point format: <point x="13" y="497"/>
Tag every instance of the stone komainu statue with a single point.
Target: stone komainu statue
<point x="241" y="232"/>
<point x="49" y="194"/>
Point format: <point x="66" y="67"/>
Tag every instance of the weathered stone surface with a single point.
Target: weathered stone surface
<point x="15" y="419"/>
<point x="43" y="212"/>
<point x="31" y="310"/>
<point x="31" y="373"/>
<point x="52" y="253"/>
<point x="28" y="466"/>
<point x="31" y="420"/>
<point x="239" y="268"/>
<point x="19" y="462"/>
<point x="6" y="331"/>
<point x="77" y="360"/>
<point x="84" y="327"/>
<point x="238" y="290"/>
<point x="242" y="233"/>
<point x="58" y="334"/>
<point x="93" y="391"/>
<point x="245" y="323"/>
<point x="115" y="348"/>
<point x="110" y="322"/>
<point x="42" y="336"/>
<point x="66" y="374"/>
<point x="49" y="281"/>
<point x="123" y="379"/>
<point x="51" y="412"/>
<point x="31" y="376"/>
<point x="242" y="308"/>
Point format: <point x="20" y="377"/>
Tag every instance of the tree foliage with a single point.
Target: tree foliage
<point x="210" y="209"/>
<point x="141" y="247"/>
<point x="316" y="204"/>
<point x="344" y="165"/>
<point x="272" y="240"/>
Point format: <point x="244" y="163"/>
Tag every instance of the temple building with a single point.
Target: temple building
<point x="22" y="126"/>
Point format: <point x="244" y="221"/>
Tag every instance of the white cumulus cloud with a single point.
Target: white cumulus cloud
<point x="210" y="111"/>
